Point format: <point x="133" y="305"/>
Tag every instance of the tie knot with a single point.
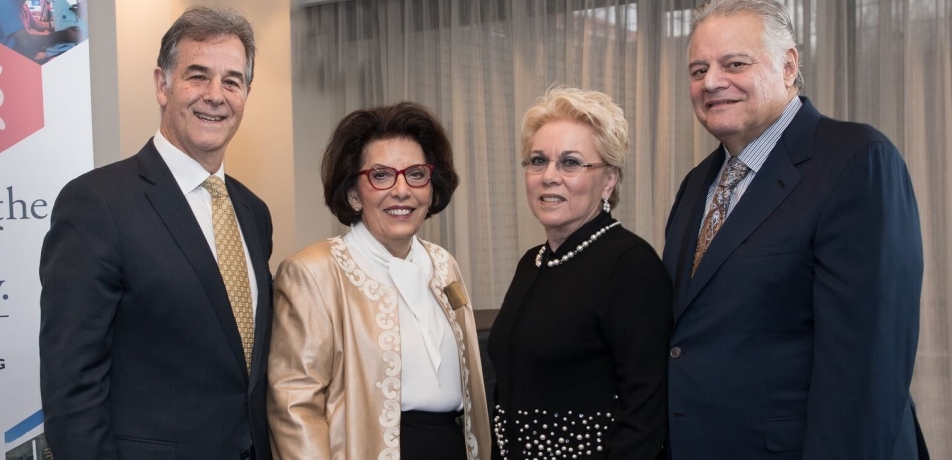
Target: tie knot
<point x="735" y="172"/>
<point x="215" y="186"/>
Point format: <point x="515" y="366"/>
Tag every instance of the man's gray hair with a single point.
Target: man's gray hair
<point x="778" y="28"/>
<point x="202" y="23"/>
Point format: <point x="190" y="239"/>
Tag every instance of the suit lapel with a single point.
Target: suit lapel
<point x="698" y="190"/>
<point x="246" y="219"/>
<point x="777" y="178"/>
<point x="169" y="203"/>
<point x="439" y="281"/>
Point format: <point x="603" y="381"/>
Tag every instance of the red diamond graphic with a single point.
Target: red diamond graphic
<point x="21" y="98"/>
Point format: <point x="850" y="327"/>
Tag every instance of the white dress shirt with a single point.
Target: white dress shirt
<point x="753" y="156"/>
<point x="189" y="175"/>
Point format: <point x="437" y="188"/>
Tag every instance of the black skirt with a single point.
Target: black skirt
<point x="431" y="436"/>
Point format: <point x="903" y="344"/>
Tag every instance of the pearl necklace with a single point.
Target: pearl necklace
<point x="578" y="249"/>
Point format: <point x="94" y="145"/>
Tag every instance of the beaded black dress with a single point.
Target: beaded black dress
<point x="580" y="351"/>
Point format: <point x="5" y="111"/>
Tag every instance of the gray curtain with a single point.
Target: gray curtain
<point x="479" y="64"/>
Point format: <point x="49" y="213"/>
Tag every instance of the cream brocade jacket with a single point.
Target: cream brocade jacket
<point x="335" y="366"/>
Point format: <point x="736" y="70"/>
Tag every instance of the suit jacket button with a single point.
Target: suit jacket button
<point x="676" y="352"/>
<point x="244" y="455"/>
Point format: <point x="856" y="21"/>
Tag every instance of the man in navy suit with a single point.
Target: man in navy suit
<point x="141" y="354"/>
<point x="796" y="254"/>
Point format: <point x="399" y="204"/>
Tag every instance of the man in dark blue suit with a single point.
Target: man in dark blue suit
<point x="796" y="254"/>
<point x="156" y="301"/>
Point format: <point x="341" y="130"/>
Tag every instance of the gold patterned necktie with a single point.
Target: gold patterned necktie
<point x="735" y="172"/>
<point x="231" y="262"/>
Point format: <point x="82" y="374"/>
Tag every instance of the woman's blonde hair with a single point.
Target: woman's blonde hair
<point x="590" y="108"/>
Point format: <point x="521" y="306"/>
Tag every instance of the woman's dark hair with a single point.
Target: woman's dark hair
<point x="345" y="151"/>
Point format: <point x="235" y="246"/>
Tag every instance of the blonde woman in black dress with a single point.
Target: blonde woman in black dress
<point x="580" y="343"/>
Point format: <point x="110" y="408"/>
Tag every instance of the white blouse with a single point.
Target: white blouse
<point x="430" y="374"/>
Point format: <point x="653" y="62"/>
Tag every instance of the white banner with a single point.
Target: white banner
<point x="45" y="140"/>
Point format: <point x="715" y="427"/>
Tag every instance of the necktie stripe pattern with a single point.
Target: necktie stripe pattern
<point x="232" y="263"/>
<point x="734" y="173"/>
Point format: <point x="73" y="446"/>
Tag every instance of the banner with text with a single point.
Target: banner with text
<point x="45" y="140"/>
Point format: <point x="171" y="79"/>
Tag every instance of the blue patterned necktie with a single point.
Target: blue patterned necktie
<point x="735" y="172"/>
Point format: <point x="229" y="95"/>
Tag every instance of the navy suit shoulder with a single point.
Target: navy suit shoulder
<point x="846" y="138"/>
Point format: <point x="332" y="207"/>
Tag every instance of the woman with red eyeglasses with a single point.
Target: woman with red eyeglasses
<point x="374" y="351"/>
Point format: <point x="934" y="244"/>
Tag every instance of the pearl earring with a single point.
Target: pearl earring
<point x="606" y="206"/>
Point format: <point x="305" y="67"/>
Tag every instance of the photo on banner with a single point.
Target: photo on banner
<point x="45" y="141"/>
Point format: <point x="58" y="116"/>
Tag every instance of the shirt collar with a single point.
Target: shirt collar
<point x="188" y="173"/>
<point x="755" y="154"/>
